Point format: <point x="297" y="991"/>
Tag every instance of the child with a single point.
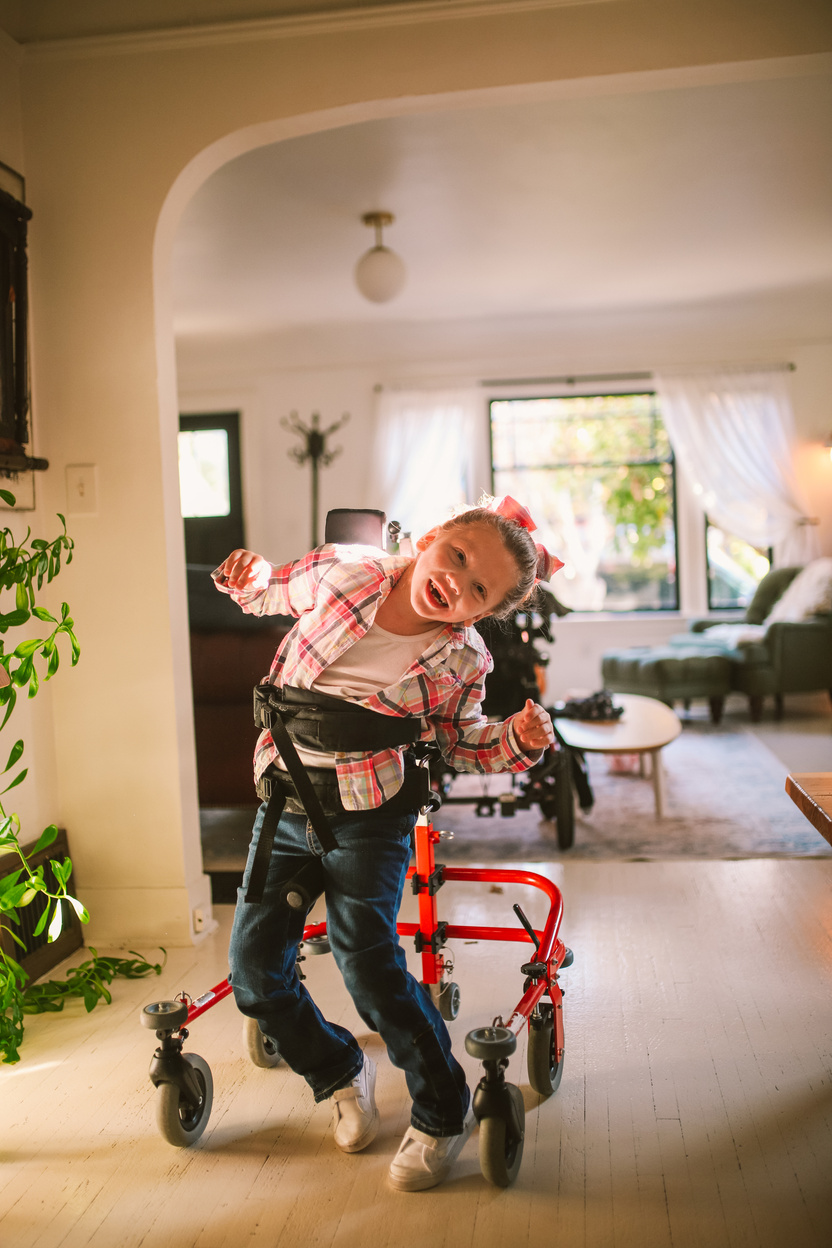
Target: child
<point x="395" y="636"/>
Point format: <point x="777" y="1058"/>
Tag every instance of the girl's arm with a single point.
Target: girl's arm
<point x="263" y="588"/>
<point x="470" y="743"/>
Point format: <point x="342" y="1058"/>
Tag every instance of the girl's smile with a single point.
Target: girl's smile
<point x="461" y="576"/>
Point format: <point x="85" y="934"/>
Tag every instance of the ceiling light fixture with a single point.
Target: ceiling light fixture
<point x="380" y="273"/>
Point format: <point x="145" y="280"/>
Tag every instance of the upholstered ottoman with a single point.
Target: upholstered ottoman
<point x="669" y="673"/>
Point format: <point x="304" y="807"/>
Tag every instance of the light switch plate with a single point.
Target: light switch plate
<point x="81" y="490"/>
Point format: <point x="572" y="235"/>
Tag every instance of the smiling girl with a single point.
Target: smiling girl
<point x="393" y="636"/>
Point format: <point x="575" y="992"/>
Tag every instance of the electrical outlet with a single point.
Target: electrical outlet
<point x="81" y="490"/>
<point x="199" y="919"/>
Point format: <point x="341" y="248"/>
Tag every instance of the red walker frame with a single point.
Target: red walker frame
<point x="497" y="1105"/>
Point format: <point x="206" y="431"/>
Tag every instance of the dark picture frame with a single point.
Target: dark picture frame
<point x="14" y="349"/>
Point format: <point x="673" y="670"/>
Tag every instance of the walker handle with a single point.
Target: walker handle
<point x="521" y="916"/>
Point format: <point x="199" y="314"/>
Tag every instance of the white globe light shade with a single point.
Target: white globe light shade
<point x="380" y="274"/>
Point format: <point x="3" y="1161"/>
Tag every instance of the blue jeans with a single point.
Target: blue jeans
<point x="364" y="878"/>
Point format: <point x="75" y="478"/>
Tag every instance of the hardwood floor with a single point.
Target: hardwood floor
<point x="695" y="1108"/>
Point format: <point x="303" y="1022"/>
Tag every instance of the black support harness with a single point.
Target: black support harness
<point x="316" y="721"/>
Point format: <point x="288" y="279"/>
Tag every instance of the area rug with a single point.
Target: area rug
<point x="724" y="797"/>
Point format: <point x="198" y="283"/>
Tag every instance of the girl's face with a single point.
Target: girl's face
<point x="462" y="575"/>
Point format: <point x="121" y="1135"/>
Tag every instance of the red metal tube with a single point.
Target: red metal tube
<point x="209" y="998"/>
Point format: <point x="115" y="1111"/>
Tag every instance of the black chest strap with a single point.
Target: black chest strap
<point x="319" y="720"/>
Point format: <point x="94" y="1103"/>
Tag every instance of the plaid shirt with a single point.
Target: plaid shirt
<point x="335" y="591"/>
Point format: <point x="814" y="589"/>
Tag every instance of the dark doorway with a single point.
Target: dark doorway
<point x="211" y="486"/>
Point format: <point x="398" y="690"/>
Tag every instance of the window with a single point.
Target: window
<point x="735" y="569"/>
<point x="597" y="474"/>
<point x="210" y="488"/>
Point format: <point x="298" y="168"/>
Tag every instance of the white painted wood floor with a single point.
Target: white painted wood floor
<point x="695" y="1107"/>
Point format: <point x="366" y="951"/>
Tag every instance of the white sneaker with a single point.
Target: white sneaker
<point x="426" y="1160"/>
<point x="354" y="1114"/>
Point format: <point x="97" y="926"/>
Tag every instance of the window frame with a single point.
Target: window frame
<point x="769" y="554"/>
<point x="612" y="393"/>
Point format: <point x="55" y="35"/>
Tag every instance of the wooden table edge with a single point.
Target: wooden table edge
<point x="811" y="792"/>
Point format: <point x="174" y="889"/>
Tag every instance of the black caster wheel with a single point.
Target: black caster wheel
<point x="449" y="1001"/>
<point x="164" y="1015"/>
<point x="545" y="1064"/>
<point x="182" y="1124"/>
<point x="316" y="945"/>
<point x="490" y="1043"/>
<point x="500" y="1150"/>
<point x="262" y="1051"/>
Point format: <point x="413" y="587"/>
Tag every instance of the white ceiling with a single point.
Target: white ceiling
<point x="663" y="197"/>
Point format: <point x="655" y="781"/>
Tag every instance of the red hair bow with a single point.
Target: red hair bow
<point x="510" y="509"/>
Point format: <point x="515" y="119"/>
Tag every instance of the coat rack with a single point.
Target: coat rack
<point x="313" y="449"/>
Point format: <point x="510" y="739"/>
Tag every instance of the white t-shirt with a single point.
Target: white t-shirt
<point x="377" y="659"/>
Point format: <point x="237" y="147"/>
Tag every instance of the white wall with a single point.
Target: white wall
<point x="35" y="801"/>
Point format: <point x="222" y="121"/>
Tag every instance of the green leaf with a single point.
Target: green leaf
<point x="41" y="923"/>
<point x="56" y="926"/>
<point x="80" y="910"/>
<point x="20" y="676"/>
<point x="19" y="778"/>
<point x="43" y="614"/>
<point x="27" y="648"/>
<point x="52" y="665"/>
<point x="58" y="872"/>
<point x="21" y="598"/>
<point x="46" y="837"/>
<point x="17" y="750"/>
<point x="9" y="881"/>
<point x="13" y="619"/>
<point x="15" y="967"/>
<point x="8" y="497"/>
<point x="12" y="698"/>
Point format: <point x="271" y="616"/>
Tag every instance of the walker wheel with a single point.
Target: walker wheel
<point x="316" y="945"/>
<point x="182" y="1124"/>
<point x="490" y="1043"/>
<point x="545" y="1064"/>
<point x="500" y="1156"/>
<point x="164" y="1015"/>
<point x="449" y="1001"/>
<point x="261" y="1049"/>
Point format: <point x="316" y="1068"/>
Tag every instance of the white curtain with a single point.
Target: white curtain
<point x="732" y="433"/>
<point x="425" y="454"/>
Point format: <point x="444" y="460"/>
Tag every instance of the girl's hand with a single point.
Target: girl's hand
<point x="533" y="728"/>
<point x="243" y="570"/>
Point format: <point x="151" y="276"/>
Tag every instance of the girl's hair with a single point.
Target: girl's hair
<point x="519" y="544"/>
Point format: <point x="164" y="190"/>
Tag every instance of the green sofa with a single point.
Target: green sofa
<point x="792" y="657"/>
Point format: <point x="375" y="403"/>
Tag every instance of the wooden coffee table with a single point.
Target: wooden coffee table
<point x="646" y="727"/>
